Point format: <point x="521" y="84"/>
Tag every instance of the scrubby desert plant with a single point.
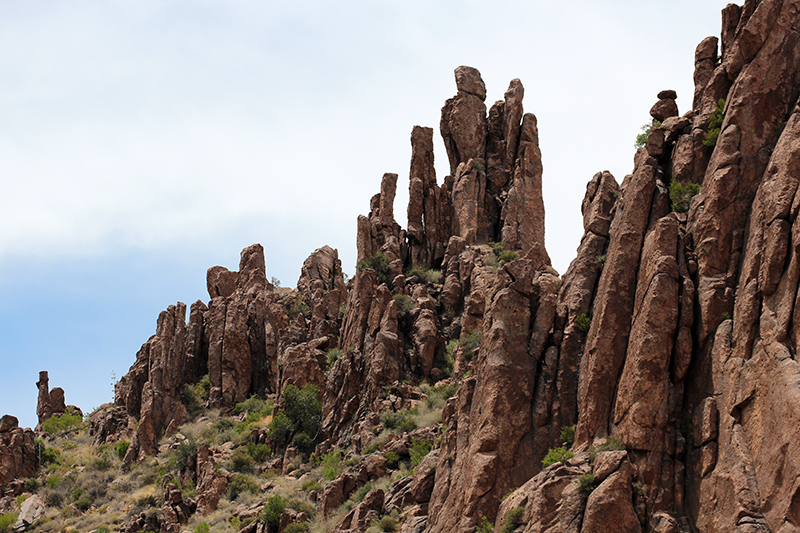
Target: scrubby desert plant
<point x="556" y="455"/>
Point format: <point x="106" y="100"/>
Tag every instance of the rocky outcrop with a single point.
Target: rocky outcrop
<point x="18" y="457"/>
<point x="670" y="342"/>
<point x="50" y="402"/>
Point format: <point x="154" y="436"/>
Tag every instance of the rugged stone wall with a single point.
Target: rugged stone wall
<point x="672" y="336"/>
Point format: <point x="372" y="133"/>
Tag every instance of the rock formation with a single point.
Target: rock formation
<point x="669" y="345"/>
<point x="18" y="457"/>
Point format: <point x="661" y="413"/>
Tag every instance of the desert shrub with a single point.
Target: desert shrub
<point x="404" y="302"/>
<point x="715" y="123"/>
<point x="401" y="421"/>
<point x="196" y="395"/>
<point x="122" y="448"/>
<point x="7" y="520"/>
<point x="425" y="274"/>
<point x="83" y="503"/>
<point x="611" y="443"/>
<point x="332" y="465"/>
<point x="223" y="424"/>
<point x="512" y="519"/>
<point x="31" y="484"/>
<point x="471" y="342"/>
<point x="253" y="404"/>
<point x="301" y="413"/>
<point x="502" y="256"/>
<point x="280" y="429"/>
<point x="60" y="424"/>
<point x="567" y="435"/>
<point x="360" y="492"/>
<point x="296" y="527"/>
<point x="583" y="322"/>
<point x="418" y="450"/>
<point x="556" y="455"/>
<point x="259" y="452"/>
<point x="601" y="259"/>
<point x="641" y="139"/>
<point x="380" y="264"/>
<point x="485" y="526"/>
<point x="240" y="460"/>
<point x="437" y="396"/>
<point x="311" y="484"/>
<point x="240" y="483"/>
<point x="303" y="408"/>
<point x="392" y="459"/>
<point x="681" y="195"/>
<point x="302" y="442"/>
<point x="333" y="355"/>
<point x="202" y="527"/>
<point x="296" y="306"/>
<point x="587" y="483"/>
<point x="181" y="455"/>
<point x="273" y="509"/>
<point x="386" y="523"/>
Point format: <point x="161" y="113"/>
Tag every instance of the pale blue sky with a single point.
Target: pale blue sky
<point x="143" y="142"/>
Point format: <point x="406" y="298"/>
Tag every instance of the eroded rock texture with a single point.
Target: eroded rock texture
<point x="18" y="457"/>
<point x="670" y="342"/>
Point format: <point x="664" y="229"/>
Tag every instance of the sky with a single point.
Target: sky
<point x="142" y="142"/>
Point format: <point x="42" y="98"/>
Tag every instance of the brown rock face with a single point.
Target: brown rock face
<point x="18" y="457"/>
<point x="670" y="343"/>
<point x="51" y="402"/>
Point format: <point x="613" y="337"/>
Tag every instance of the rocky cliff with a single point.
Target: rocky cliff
<point x="668" y="346"/>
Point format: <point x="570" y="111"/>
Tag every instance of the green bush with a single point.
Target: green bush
<point x="31" y="485"/>
<point x="404" y="302"/>
<point x="513" y="517"/>
<point x="587" y="483"/>
<point x="311" y="484"/>
<point x="332" y="464"/>
<point x="471" y="342"/>
<point x="401" y="421"/>
<point x="240" y="483"/>
<point x="296" y="527"/>
<point x="240" y="460"/>
<point x="181" y="455"/>
<point x="386" y="523"/>
<point x="83" y="503"/>
<point x="611" y="443"/>
<point x="715" y="123"/>
<point x="202" y="527"/>
<point x="280" y="429"/>
<point x="641" y="139"/>
<point x="485" y="526"/>
<point x="122" y="448"/>
<point x="392" y="459"/>
<point x="418" y="450"/>
<point x="60" y="424"/>
<point x="502" y="256"/>
<point x="568" y="435"/>
<point x="556" y="455"/>
<point x="681" y="195"/>
<point x="333" y="356"/>
<point x="259" y="452"/>
<point x="304" y="408"/>
<point x="583" y="322"/>
<point x="7" y="520"/>
<point x="301" y="414"/>
<point x="253" y="404"/>
<point x="273" y="509"/>
<point x="425" y="274"/>
<point x="380" y="264"/>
